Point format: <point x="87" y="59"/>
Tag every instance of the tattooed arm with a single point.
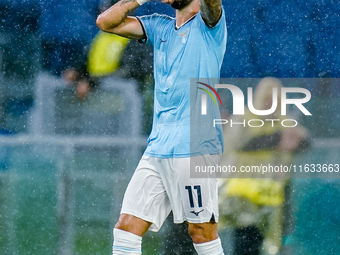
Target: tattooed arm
<point x="211" y="11"/>
<point x="116" y="20"/>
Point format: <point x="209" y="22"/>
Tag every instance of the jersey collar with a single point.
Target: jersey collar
<point x="178" y="27"/>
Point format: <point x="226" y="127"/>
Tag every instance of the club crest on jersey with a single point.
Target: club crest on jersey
<point x="184" y="36"/>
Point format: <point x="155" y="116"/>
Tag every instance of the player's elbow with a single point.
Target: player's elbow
<point x="104" y="24"/>
<point x="101" y="23"/>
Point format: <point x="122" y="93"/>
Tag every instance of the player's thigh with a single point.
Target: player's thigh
<point x="194" y="199"/>
<point x="145" y="196"/>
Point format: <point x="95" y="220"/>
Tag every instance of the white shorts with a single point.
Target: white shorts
<point x="160" y="185"/>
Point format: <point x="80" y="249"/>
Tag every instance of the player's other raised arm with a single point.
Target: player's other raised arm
<point x="116" y="20"/>
<point x="211" y="11"/>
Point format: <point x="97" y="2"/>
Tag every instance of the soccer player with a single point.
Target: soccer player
<point x="190" y="46"/>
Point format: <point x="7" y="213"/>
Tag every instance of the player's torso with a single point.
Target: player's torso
<point x="179" y="55"/>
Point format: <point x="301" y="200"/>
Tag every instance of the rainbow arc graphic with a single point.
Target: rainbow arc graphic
<point x="204" y="97"/>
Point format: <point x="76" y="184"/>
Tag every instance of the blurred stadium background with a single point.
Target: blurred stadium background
<point x="65" y="161"/>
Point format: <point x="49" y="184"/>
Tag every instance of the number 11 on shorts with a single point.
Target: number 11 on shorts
<point x="191" y="198"/>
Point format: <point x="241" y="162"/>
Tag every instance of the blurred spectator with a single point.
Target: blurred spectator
<point x="251" y="205"/>
<point x="105" y="55"/>
<point x="67" y="29"/>
<point x="81" y="80"/>
<point x="103" y="59"/>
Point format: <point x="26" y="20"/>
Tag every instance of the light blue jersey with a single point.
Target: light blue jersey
<point x="192" y="51"/>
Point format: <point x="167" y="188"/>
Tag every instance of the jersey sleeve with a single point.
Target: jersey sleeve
<point x="150" y="24"/>
<point x="215" y="36"/>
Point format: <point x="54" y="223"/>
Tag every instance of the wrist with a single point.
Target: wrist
<point x="141" y="2"/>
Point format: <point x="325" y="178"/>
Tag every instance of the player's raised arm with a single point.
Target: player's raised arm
<point x="116" y="20"/>
<point x="211" y="11"/>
